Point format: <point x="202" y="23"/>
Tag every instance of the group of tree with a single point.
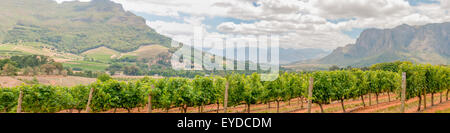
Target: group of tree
<point x="335" y="67"/>
<point x="31" y="65"/>
<point x="127" y="69"/>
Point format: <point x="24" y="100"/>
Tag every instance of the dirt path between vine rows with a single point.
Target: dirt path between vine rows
<point x="374" y="108"/>
<point x="438" y="107"/>
<point x="316" y="107"/>
<point x="383" y="100"/>
<point x="369" y="109"/>
<point x="429" y="107"/>
<point x="212" y="108"/>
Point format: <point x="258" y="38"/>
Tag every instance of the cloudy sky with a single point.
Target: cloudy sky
<point x="324" y="24"/>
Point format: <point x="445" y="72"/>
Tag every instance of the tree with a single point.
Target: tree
<point x="58" y="66"/>
<point x="435" y="80"/>
<point x="64" y="73"/>
<point x="342" y="86"/>
<point x="287" y="83"/>
<point x="9" y="70"/>
<point x="205" y="88"/>
<point x="187" y="96"/>
<point x="360" y="85"/>
<point x="104" y="77"/>
<point x="334" y="68"/>
<point x="132" y="70"/>
<point x="3" y="62"/>
<point x="219" y="89"/>
<point x="236" y="89"/>
<point x="299" y="86"/>
<point x="27" y="71"/>
<point x="391" y="82"/>
<point x="275" y="91"/>
<point x="389" y="66"/>
<point x="80" y="96"/>
<point x="36" y="70"/>
<point x="415" y="81"/>
<point x="132" y="96"/>
<point x="42" y="99"/>
<point x="252" y="90"/>
<point x="371" y="81"/>
<point x="48" y="68"/>
<point x="31" y="60"/>
<point x="8" y="99"/>
<point x="322" y="88"/>
<point x="168" y="95"/>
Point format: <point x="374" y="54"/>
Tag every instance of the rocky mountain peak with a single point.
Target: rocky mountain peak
<point x="426" y="44"/>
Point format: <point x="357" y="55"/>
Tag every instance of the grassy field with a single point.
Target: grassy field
<point x="102" y="54"/>
<point x="68" y="59"/>
<point x="87" y="65"/>
<point x="32" y="48"/>
<point x="21" y="49"/>
<point x="148" y="52"/>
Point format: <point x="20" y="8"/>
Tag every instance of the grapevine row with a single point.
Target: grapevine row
<point x="200" y="91"/>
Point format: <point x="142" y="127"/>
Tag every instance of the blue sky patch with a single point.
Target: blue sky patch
<point x="151" y="17"/>
<point x="215" y="21"/>
<point x="417" y="2"/>
<point x="335" y="21"/>
<point x="354" y="33"/>
<point x="255" y="4"/>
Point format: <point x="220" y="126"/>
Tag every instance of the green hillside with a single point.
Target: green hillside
<point x="94" y="36"/>
<point x="75" y="27"/>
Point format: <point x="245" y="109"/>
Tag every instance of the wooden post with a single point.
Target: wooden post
<point x="88" y="108"/>
<point x="19" y="103"/>
<point x="424" y="98"/>
<point x="225" y="102"/>
<point x="150" y="101"/>
<point x="311" y="82"/>
<point x="402" y="109"/>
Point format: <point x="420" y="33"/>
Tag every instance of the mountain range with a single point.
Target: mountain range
<point x="428" y="43"/>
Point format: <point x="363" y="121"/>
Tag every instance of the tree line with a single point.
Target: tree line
<point x="30" y="65"/>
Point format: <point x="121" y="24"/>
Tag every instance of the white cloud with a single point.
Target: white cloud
<point x="338" y="9"/>
<point x="61" y="1"/>
<point x="182" y="32"/>
<point x="171" y="28"/>
<point x="300" y="23"/>
<point x="173" y="7"/>
<point x="445" y="4"/>
<point x="293" y="35"/>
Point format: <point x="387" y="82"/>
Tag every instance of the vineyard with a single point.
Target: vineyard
<point x="234" y="90"/>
